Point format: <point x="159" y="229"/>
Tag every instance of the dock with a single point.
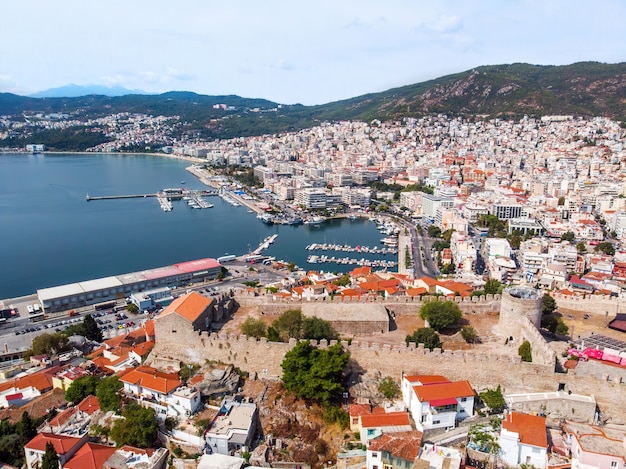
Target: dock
<point x="113" y="197"/>
<point x="265" y="244"/>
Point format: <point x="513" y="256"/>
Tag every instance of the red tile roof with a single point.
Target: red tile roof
<point x="152" y="379"/>
<point x="390" y="419"/>
<point x="189" y="306"/>
<point x="427" y="379"/>
<point x="89" y="405"/>
<point x="530" y="428"/>
<point x="62" y="443"/>
<point x="90" y="456"/>
<point x="403" y="445"/>
<point x="41" y="380"/>
<point x="436" y="391"/>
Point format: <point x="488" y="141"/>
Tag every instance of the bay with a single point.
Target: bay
<point x="50" y="235"/>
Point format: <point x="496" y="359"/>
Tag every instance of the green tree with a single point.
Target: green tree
<point x="493" y="399"/>
<point x="548" y="304"/>
<point x="427" y="336"/>
<point x="91" y="330"/>
<point x="447" y="235"/>
<point x="138" y="428"/>
<point x="581" y="247"/>
<point x="568" y="236"/>
<point x="434" y="231"/>
<point x="317" y="329"/>
<point x="469" y="335"/>
<point x="81" y="388"/>
<point x="187" y="371"/>
<point x="289" y="324"/>
<point x="107" y="393"/>
<point x="525" y="351"/>
<point x="389" y="388"/>
<point x="50" y="459"/>
<point x="561" y="328"/>
<point x="313" y="373"/>
<point x="49" y="344"/>
<point x="343" y="281"/>
<point x="26" y="428"/>
<point x="441" y="314"/>
<point x="254" y="328"/>
<point x="605" y="247"/>
<point x="493" y="287"/>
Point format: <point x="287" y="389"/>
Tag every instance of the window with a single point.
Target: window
<point x="374" y="455"/>
<point x="173" y="331"/>
<point x="374" y="466"/>
<point x="435" y="422"/>
<point x="355" y="421"/>
<point x="464" y="399"/>
<point x="613" y="463"/>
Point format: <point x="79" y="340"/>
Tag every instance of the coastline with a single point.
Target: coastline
<point x="164" y="155"/>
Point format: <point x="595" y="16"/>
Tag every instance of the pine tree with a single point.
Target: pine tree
<point x="50" y="459"/>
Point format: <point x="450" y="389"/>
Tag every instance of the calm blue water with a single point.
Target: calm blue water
<point x="51" y="236"/>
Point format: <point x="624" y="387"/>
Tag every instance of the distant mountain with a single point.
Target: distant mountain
<point x="504" y="91"/>
<point x="74" y="91"/>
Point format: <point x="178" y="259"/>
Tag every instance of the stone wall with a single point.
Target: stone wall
<point x="271" y="305"/>
<point x="261" y="358"/>
<point x="593" y="304"/>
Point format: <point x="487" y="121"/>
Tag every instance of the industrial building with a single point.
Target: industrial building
<point x="90" y="292"/>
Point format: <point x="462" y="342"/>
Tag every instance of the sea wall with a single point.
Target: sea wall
<point x="262" y="359"/>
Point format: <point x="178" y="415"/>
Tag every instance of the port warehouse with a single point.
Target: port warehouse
<point x="117" y="287"/>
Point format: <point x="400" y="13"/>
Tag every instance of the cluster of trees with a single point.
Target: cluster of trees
<point x="317" y="374"/>
<point x="441" y="314"/>
<point x="57" y="342"/>
<point x="13" y="437"/>
<point x="139" y="427"/>
<point x="554" y="324"/>
<point x="290" y="325"/>
<point x="427" y="336"/>
<point x="493" y="399"/>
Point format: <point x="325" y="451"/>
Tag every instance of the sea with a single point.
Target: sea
<point x="51" y="235"/>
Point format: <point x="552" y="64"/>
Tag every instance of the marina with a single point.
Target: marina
<point x="347" y="248"/>
<point x="380" y="263"/>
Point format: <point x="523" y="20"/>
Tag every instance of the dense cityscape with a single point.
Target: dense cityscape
<point x="495" y="340"/>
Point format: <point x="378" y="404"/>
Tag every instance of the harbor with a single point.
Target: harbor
<point x="195" y="198"/>
<point x="347" y="248"/>
<point x="380" y="263"/>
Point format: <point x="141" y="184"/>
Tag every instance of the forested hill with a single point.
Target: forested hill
<point x="505" y="91"/>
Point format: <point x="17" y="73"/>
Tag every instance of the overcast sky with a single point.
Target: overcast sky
<point x="292" y="51"/>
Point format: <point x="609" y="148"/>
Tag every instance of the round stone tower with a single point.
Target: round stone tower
<point x="515" y="303"/>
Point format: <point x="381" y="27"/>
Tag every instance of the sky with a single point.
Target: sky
<point x="290" y="51"/>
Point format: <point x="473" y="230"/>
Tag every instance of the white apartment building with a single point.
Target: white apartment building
<point x="431" y="203"/>
<point x="311" y="197"/>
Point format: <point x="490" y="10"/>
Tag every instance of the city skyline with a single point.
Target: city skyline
<point x="292" y="54"/>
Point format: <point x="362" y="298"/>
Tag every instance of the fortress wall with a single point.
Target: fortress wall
<point x="261" y="358"/>
<point x="271" y="305"/>
<point x="592" y="304"/>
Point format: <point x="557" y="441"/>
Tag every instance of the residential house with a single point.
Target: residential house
<point x="594" y="447"/>
<point x="524" y="440"/>
<point x="436" y="402"/>
<point x="394" y="450"/>
<point x="65" y="447"/>
<point x="233" y="429"/>
<point x="162" y="391"/>
<point x="129" y="457"/>
<point x="18" y="391"/>
<point x="375" y="424"/>
<point x="438" y="457"/>
<point x="90" y="456"/>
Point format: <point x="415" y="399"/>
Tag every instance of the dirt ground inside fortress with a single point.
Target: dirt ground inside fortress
<point x="484" y="324"/>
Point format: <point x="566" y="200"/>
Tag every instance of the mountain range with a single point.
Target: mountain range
<point x="503" y="91"/>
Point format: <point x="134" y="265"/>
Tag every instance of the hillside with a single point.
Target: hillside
<point x="505" y="91"/>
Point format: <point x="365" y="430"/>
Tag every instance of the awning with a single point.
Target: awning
<point x="442" y="402"/>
